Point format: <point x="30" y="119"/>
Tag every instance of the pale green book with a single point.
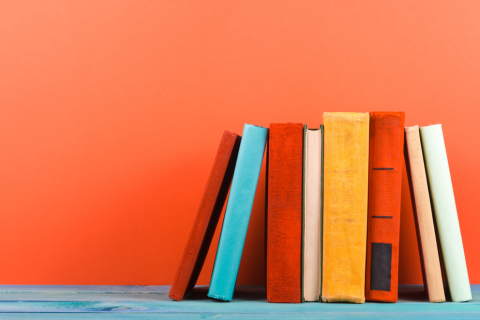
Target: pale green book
<point x="445" y="211"/>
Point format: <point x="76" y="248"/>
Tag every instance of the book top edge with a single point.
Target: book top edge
<point x="230" y="133"/>
<point x="253" y="125"/>
<point x="378" y="115"/>
<point x="348" y="116"/>
<point x="387" y="113"/>
<point x="415" y="127"/>
<point x="345" y="114"/>
<point x="432" y="126"/>
<point x="287" y="124"/>
<point x="312" y="129"/>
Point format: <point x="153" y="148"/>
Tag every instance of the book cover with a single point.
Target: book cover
<point x="207" y="217"/>
<point x="237" y="214"/>
<point x="284" y="213"/>
<point x="312" y="214"/>
<point x="345" y="206"/>
<point x="422" y="212"/>
<point x="445" y="211"/>
<point x="384" y="192"/>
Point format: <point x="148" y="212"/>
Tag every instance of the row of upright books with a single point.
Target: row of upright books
<point x="332" y="211"/>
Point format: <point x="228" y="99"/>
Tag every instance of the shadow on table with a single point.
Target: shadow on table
<point x="412" y="293"/>
<point x="245" y="293"/>
<point x="406" y="293"/>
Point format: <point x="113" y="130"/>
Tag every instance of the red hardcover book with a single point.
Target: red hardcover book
<point x="384" y="190"/>
<point x="208" y="214"/>
<point x="284" y="213"/>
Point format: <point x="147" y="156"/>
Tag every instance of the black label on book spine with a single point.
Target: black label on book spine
<point x="381" y="266"/>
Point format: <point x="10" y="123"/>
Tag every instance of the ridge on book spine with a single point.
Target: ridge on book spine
<point x="345" y="206"/>
<point x="312" y="214"/>
<point x="237" y="214"/>
<point x="385" y="183"/>
<point x="284" y="213"/>
<point x="445" y="211"/>
<point x="422" y="212"/>
<point x="207" y="217"/>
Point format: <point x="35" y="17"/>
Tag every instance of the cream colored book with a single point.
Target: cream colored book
<point x="312" y="214"/>
<point x="427" y="242"/>
<point x="445" y="210"/>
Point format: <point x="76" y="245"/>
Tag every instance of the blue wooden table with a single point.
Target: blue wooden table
<point x="152" y="302"/>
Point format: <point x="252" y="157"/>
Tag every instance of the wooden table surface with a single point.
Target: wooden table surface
<point x="152" y="302"/>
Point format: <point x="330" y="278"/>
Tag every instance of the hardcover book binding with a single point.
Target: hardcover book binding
<point x="312" y="214"/>
<point x="385" y="185"/>
<point x="441" y="191"/>
<point x="237" y="214"/>
<point x="422" y="211"/>
<point x="207" y="217"/>
<point x="284" y="213"/>
<point x="345" y="206"/>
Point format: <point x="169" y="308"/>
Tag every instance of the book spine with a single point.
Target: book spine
<point x="304" y="206"/>
<point x="345" y="206"/>
<point x="322" y="201"/>
<point x="237" y="214"/>
<point x="445" y="211"/>
<point x="422" y="212"/>
<point x="284" y="216"/>
<point x="312" y="216"/>
<point x="385" y="184"/>
<point x="207" y="217"/>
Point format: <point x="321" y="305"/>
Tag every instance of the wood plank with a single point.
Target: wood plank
<point x="120" y="316"/>
<point x="126" y="302"/>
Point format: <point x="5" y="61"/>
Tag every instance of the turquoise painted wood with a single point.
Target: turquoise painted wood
<point x="152" y="302"/>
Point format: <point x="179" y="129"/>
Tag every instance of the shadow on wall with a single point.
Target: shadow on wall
<point x="252" y="265"/>
<point x="409" y="269"/>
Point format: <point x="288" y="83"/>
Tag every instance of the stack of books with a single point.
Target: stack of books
<point x="332" y="211"/>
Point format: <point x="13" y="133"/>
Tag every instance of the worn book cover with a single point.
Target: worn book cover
<point x="284" y="213"/>
<point x="345" y="206"/>
<point x="312" y="214"/>
<point x="384" y="192"/>
<point x="445" y="211"/>
<point x="237" y="214"/>
<point x="208" y="214"/>
<point x="422" y="212"/>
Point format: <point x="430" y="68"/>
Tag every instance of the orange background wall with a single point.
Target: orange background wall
<point x="111" y="113"/>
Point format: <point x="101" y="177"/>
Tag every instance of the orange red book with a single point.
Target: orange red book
<point x="384" y="192"/>
<point x="284" y="213"/>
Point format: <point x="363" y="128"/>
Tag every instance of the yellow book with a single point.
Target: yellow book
<point x="345" y="206"/>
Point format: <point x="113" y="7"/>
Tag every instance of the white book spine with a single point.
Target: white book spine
<point x="313" y="223"/>
<point x="441" y="191"/>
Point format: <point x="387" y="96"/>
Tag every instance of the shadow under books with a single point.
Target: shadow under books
<point x="244" y="293"/>
<point x="406" y="293"/>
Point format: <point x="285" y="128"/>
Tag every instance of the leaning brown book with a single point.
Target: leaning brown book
<point x="207" y="217"/>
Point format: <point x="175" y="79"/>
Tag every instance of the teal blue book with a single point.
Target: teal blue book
<point x="237" y="214"/>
